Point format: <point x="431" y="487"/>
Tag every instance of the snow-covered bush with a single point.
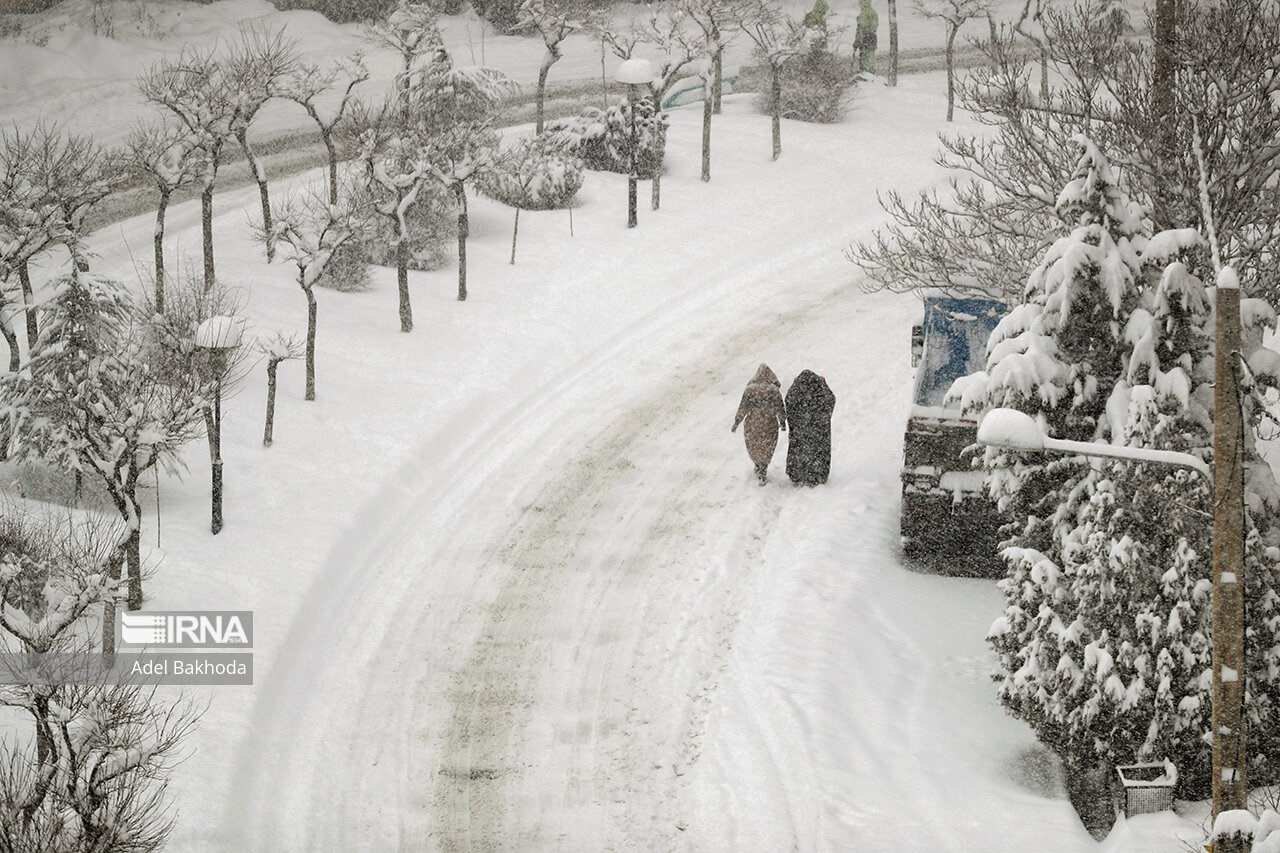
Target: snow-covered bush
<point x="816" y="86"/>
<point x="533" y="175"/>
<point x="432" y="226"/>
<point x="342" y="11"/>
<point x="348" y="271"/>
<point x="93" y="400"/>
<point x="602" y="138"/>
<point x="1103" y="644"/>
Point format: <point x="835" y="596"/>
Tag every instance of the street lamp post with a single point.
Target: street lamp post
<point x="633" y="72"/>
<point x="219" y="335"/>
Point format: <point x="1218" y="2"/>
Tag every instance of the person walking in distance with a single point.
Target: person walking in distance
<point x="764" y="413"/>
<point x="809" y="405"/>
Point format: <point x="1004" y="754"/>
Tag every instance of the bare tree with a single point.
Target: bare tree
<point x="395" y="170"/>
<point x="984" y="234"/>
<point x="411" y="31"/>
<point x="169" y="156"/>
<point x="51" y="180"/>
<point x="277" y="349"/>
<point x="199" y="92"/>
<point x="312" y="230"/>
<point x="717" y="20"/>
<point x="305" y="86"/>
<point x="255" y="68"/>
<point x="455" y="109"/>
<point x="777" y="38"/>
<point x="555" y="21"/>
<point x="954" y="13"/>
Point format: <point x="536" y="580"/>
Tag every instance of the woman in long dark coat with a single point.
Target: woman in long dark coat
<point x="809" y="406"/>
<point x="764" y="413"/>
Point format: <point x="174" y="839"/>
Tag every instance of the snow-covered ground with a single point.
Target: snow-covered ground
<point x="60" y="71"/>
<point x="514" y="587"/>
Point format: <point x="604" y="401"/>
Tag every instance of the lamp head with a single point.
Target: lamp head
<point x="1011" y="429"/>
<point x="635" y="72"/>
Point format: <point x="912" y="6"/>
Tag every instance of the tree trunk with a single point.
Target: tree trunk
<point x="44" y="737"/>
<point x="515" y="230"/>
<point x="604" y="79"/>
<point x="1163" y="74"/>
<point x="541" y="96"/>
<point x="311" y="342"/>
<point x="655" y="192"/>
<point x="893" y="42"/>
<point x="264" y="195"/>
<point x="331" y="149"/>
<point x="114" y="566"/>
<point x="402" y="279"/>
<point x="776" y="88"/>
<point x="209" y="429"/>
<point x="460" y="193"/>
<point x="272" y="364"/>
<point x="707" y="109"/>
<point x="1044" y="75"/>
<point x="29" y="306"/>
<point x="206" y="225"/>
<point x="952" y="29"/>
<point x="11" y="338"/>
<point x="159" y="250"/>
<point x="133" y="549"/>
<point x="717" y="85"/>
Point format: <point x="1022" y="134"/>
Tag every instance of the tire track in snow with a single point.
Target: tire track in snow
<point x="497" y="692"/>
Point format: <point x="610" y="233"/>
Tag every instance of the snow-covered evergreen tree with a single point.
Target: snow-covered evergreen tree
<point x="1103" y="645"/>
<point x="92" y="399"/>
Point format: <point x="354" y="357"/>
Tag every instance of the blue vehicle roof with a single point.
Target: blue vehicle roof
<point x="956" y="330"/>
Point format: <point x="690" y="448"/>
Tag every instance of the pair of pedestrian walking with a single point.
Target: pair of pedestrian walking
<point x="807" y="408"/>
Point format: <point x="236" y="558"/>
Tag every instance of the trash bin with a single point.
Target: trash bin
<point x="1145" y="788"/>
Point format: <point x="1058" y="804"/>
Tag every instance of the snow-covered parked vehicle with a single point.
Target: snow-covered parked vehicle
<point x="945" y="512"/>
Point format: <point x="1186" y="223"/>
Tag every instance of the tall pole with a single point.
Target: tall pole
<point x="1230" y="788"/>
<point x="634" y="176"/>
<point x="215" y="524"/>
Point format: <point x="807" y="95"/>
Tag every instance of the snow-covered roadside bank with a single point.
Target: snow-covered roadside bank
<point x="500" y="564"/>
<point x="61" y="72"/>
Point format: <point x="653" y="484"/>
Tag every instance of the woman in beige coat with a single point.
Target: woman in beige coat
<point x="763" y="410"/>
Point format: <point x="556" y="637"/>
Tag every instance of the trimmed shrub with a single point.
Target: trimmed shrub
<point x="433" y="226"/>
<point x="342" y="11"/>
<point x="815" y="86"/>
<point x="536" y="174"/>
<point x="602" y="138"/>
<point x="348" y="270"/>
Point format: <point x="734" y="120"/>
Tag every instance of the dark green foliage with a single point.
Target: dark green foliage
<point x="602" y="139"/>
<point x="342" y="11"/>
<point x="536" y="174"/>
<point x="815" y="86"/>
<point x="348" y="270"/>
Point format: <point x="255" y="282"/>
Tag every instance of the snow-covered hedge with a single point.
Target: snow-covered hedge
<point x="816" y="87"/>
<point x="536" y="174"/>
<point x="432" y="228"/>
<point x="602" y="138"/>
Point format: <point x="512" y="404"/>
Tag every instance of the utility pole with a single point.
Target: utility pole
<point x="1230" y="787"/>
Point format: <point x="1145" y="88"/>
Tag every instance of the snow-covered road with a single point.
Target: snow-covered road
<point x="516" y="589"/>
